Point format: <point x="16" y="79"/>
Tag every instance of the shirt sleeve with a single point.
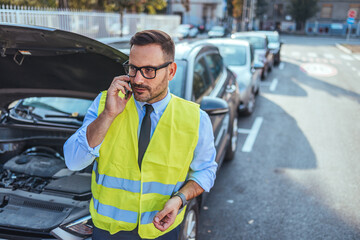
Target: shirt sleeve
<point x="77" y="152"/>
<point x="203" y="166"/>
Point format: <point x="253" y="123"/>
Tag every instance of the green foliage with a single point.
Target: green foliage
<point x="261" y="8"/>
<point x="301" y="10"/>
<point x="30" y="3"/>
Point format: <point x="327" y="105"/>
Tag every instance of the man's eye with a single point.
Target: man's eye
<point x="132" y="68"/>
<point x="148" y="70"/>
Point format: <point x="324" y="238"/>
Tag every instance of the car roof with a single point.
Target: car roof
<point x="217" y="41"/>
<point x="274" y="33"/>
<point x="256" y="34"/>
<point x="184" y="49"/>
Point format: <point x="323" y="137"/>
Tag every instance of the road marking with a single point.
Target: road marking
<point x="281" y="66"/>
<point x="311" y="54"/>
<point x="318" y="69"/>
<point x="346" y="57"/>
<point x="244" y="131"/>
<point x="273" y="84"/>
<point x="329" y="55"/>
<point x="250" y="140"/>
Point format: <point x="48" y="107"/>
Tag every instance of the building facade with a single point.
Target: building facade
<point x="331" y="19"/>
<point x="200" y="12"/>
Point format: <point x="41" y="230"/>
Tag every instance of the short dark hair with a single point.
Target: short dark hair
<point x="157" y="37"/>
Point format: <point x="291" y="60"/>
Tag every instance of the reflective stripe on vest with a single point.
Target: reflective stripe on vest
<point x="124" y="197"/>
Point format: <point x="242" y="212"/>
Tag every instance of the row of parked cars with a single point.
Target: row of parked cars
<point x="49" y="80"/>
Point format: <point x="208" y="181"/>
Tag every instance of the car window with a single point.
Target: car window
<point x="215" y="64"/>
<point x="177" y="84"/>
<point x="201" y="79"/>
<point x="233" y="55"/>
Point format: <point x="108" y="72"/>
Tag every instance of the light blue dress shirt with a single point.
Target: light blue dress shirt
<point x="78" y="154"/>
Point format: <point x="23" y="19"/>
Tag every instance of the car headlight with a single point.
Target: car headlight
<point x="79" y="229"/>
<point x="83" y="226"/>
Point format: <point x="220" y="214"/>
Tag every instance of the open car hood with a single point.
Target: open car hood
<point x="39" y="61"/>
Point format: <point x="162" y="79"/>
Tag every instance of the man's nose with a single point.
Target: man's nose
<point x="138" y="79"/>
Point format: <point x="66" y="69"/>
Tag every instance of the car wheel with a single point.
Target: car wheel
<point x="231" y="150"/>
<point x="189" y="227"/>
<point x="250" y="106"/>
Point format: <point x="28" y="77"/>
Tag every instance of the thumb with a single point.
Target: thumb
<point x="160" y="215"/>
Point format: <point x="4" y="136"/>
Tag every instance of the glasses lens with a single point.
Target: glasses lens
<point x="148" y="72"/>
<point x="130" y="70"/>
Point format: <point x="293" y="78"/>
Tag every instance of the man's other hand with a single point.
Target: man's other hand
<point x="166" y="217"/>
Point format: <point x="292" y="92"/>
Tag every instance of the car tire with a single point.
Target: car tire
<point x="231" y="149"/>
<point x="190" y="225"/>
<point x="250" y="106"/>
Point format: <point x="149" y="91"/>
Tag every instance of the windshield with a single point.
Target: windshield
<point x="51" y="110"/>
<point x="59" y="104"/>
<point x="217" y="29"/>
<point x="176" y="85"/>
<point x="257" y="42"/>
<point x="233" y="55"/>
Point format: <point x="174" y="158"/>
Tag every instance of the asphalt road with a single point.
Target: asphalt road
<point x="296" y="172"/>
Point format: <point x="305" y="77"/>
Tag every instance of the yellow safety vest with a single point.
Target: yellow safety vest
<point x="123" y="197"/>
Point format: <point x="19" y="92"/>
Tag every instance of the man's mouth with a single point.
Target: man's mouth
<point x="140" y="89"/>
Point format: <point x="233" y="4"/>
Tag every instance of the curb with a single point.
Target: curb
<point x="344" y="49"/>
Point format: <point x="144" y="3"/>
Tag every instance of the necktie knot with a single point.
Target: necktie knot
<point x="149" y="109"/>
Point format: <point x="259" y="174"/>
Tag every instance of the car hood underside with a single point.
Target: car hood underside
<point x="37" y="61"/>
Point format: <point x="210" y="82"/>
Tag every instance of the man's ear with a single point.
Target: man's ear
<point x="172" y="70"/>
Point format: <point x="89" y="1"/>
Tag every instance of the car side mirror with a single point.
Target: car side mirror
<point x="214" y="105"/>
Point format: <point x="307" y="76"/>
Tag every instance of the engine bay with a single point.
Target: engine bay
<point x="41" y="169"/>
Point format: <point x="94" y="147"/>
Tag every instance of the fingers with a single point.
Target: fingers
<point x="120" y="83"/>
<point x="164" y="219"/>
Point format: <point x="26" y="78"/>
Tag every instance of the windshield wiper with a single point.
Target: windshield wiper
<point x="74" y="116"/>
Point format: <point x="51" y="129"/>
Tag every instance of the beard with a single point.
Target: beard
<point x="152" y="93"/>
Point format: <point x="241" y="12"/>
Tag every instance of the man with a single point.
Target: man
<point x="154" y="151"/>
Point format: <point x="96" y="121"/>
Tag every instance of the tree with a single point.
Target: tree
<point x="135" y="6"/>
<point x="30" y="3"/>
<point x="302" y="10"/>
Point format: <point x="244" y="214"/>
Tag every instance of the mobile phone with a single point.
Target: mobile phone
<point x="127" y="93"/>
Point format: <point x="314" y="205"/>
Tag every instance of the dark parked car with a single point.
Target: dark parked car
<point x="49" y="79"/>
<point x="238" y="55"/>
<point x="274" y="44"/>
<point x="203" y="77"/>
<point x="262" y="52"/>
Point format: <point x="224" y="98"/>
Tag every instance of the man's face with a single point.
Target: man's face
<point x="150" y="90"/>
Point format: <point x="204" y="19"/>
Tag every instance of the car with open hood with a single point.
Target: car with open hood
<point x="49" y="79"/>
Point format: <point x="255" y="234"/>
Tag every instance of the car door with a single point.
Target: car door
<point x="225" y="87"/>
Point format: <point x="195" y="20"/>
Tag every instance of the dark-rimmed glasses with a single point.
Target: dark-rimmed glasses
<point x="148" y="72"/>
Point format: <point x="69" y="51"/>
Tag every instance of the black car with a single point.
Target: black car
<point x="49" y="79"/>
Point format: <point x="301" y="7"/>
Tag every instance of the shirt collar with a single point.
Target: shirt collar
<point x="159" y="106"/>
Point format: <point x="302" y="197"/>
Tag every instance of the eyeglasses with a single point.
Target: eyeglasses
<point x="147" y="72"/>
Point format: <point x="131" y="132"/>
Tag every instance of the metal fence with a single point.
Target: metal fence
<point x="89" y="23"/>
